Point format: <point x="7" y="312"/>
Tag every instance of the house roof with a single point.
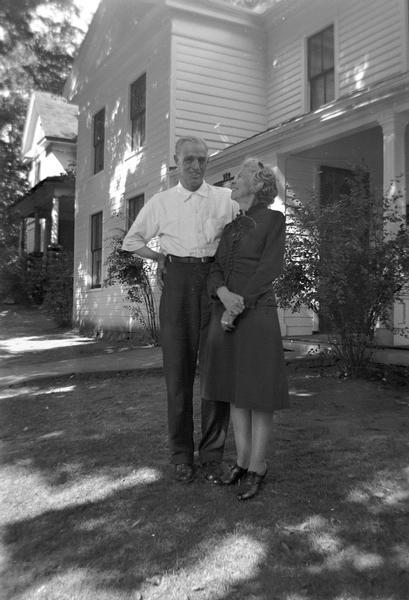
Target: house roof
<point x="57" y="118"/>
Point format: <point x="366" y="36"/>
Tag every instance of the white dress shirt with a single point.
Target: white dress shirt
<point x="187" y="223"/>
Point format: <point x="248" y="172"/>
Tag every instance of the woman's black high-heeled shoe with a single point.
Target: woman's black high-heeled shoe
<point x="252" y="485"/>
<point x="235" y="475"/>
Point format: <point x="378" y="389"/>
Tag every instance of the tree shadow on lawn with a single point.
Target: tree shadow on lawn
<point x="94" y="512"/>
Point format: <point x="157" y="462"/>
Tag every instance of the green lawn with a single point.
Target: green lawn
<point x="89" y="510"/>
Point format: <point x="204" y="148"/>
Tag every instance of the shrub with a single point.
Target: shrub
<point x="58" y="287"/>
<point x="134" y="275"/>
<point x="348" y="261"/>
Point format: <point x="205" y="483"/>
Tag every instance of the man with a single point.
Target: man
<point x="188" y="219"/>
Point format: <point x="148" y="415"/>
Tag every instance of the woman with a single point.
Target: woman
<point x="244" y="359"/>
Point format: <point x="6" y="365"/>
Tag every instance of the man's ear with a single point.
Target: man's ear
<point x="176" y="159"/>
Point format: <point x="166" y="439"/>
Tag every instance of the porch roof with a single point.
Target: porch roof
<point x="40" y="197"/>
<point x="346" y="114"/>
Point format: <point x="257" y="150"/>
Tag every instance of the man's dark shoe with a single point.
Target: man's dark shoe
<point x="212" y="472"/>
<point x="184" y="473"/>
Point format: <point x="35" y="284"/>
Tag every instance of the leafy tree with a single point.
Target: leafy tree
<point x="347" y="261"/>
<point x="37" y="43"/>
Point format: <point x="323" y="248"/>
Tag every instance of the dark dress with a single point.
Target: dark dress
<point x="246" y="366"/>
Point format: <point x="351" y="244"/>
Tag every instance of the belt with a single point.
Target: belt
<point x="190" y="259"/>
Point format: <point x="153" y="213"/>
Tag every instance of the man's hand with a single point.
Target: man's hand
<point x="233" y="303"/>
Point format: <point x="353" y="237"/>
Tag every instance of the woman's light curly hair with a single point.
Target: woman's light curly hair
<point x="262" y="174"/>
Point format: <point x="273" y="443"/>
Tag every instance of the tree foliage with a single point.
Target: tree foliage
<point x="37" y="43"/>
<point x="347" y="261"/>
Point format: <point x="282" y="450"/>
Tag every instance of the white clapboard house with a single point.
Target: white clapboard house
<point x="314" y="87"/>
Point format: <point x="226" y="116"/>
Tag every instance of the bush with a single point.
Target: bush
<point x="58" y="288"/>
<point x="342" y="263"/>
<point x="26" y="276"/>
<point x="134" y="275"/>
<point x="48" y="284"/>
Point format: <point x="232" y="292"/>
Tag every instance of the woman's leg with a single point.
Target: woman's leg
<point x="241" y="420"/>
<point x="262" y="423"/>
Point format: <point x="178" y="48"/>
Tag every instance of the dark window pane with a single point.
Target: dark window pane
<point x="96" y="249"/>
<point x="328" y="49"/>
<point x="98" y="158"/>
<point x="329" y="87"/>
<point x="314" y="56"/>
<point x="96" y="231"/>
<point x="96" y="268"/>
<point x="317" y="92"/>
<point x="138" y="111"/>
<point x="99" y="140"/>
<point x="138" y="132"/>
<point x="138" y="96"/>
<point x="134" y="206"/>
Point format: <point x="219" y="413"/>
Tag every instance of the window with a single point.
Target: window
<point x="138" y="112"/>
<point x="99" y="140"/>
<point x="134" y="206"/>
<point x="321" y="67"/>
<point x="96" y="249"/>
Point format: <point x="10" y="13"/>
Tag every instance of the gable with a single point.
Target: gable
<point x="48" y="116"/>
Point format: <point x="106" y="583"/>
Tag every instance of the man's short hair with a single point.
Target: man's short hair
<point x="192" y="139"/>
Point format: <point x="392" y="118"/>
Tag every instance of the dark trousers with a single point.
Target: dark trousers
<point x="184" y="319"/>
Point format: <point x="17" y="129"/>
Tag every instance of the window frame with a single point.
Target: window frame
<point x="98" y="141"/>
<point x="96" y="249"/>
<point x="136" y="202"/>
<point x="326" y="74"/>
<point x="137" y="114"/>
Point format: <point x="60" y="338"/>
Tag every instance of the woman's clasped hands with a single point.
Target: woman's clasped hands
<point x="233" y="304"/>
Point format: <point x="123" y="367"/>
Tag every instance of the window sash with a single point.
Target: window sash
<point x="96" y="249"/>
<point x="322" y="89"/>
<point x="134" y="206"/>
<point x="138" y="111"/>
<point x="321" y="67"/>
<point x="99" y="140"/>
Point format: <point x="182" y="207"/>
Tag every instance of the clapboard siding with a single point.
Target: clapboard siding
<point x="368" y="44"/>
<point x="219" y="82"/>
<point x="285" y="89"/>
<point x="185" y="101"/>
<point x="125" y="173"/>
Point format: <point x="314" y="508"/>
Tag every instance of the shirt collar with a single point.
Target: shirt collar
<point x="202" y="191"/>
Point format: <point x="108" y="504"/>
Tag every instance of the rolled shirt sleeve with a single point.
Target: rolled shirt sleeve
<point x="144" y="228"/>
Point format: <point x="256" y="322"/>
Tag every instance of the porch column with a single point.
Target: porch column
<point x="55" y="217"/>
<point x="37" y="233"/>
<point x="394" y="187"/>
<point x="394" y="175"/>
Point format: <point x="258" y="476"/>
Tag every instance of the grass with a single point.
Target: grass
<point x="89" y="510"/>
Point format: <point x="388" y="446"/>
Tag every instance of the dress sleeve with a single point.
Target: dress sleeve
<point x="216" y="277"/>
<point x="270" y="263"/>
<point x="144" y="228"/>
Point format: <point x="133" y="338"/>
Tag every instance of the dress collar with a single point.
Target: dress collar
<point x="252" y="209"/>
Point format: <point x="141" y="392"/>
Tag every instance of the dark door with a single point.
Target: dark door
<point x="334" y="183"/>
